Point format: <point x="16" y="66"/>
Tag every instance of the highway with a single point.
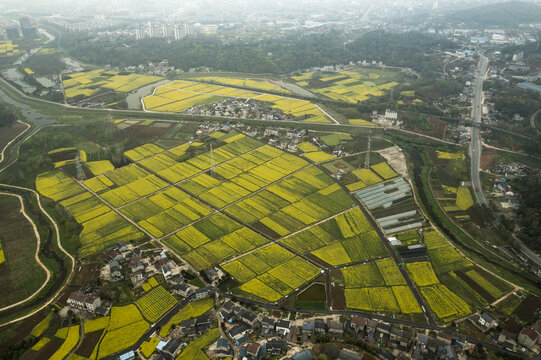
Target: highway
<point x="476" y="146"/>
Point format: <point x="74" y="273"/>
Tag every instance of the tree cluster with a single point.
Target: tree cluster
<point x="7" y="115"/>
<point x="274" y="56"/>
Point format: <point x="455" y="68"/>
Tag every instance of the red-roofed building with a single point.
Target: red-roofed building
<point x="528" y="338"/>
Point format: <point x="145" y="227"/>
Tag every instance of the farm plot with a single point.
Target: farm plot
<point x="271" y="273"/>
<point x="299" y="200"/>
<point x="366" y="177"/>
<point x="445" y="304"/>
<point x="422" y="273"/>
<point x="443" y="256"/>
<point x="20" y="274"/>
<point x="346" y="238"/>
<point x="154" y="304"/>
<point x="166" y="211"/>
<point x="212" y="240"/>
<point x="382" y="299"/>
<point x="179" y="95"/>
<point x="365" y="283"/>
<point x="99" y="167"/>
<point x="101" y="226"/>
<point x="263" y="84"/>
<point x="7" y="48"/>
<point x="231" y="183"/>
<point x="69" y="343"/>
<point x="100" y="81"/>
<point x="349" y="86"/>
<point x="125" y="326"/>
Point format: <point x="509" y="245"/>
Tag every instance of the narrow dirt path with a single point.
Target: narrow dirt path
<point x="36" y="255"/>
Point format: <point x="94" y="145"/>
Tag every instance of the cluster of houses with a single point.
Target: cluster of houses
<point x="240" y="108"/>
<point x="126" y="261"/>
<point x="528" y="338"/>
<point x="276" y="336"/>
<point x="502" y="190"/>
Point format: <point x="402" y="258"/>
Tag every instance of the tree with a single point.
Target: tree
<point x="7" y="115"/>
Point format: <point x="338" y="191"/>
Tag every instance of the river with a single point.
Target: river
<point x="134" y="98"/>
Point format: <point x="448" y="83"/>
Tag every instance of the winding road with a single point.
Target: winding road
<point x="44" y="304"/>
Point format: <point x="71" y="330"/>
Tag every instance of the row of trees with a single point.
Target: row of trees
<point x="274" y="56"/>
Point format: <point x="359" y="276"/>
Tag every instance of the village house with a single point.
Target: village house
<point x="202" y="293"/>
<point x="267" y="327"/>
<point x="183" y="290"/>
<point x="248" y="317"/>
<point x="336" y="328"/>
<point x="83" y="301"/>
<point x="172" y="347"/>
<point x="276" y="346"/>
<point x="238" y="331"/>
<point x="137" y="277"/>
<point x="358" y="324"/>
<point x="487" y="321"/>
<point x="252" y="349"/>
<point x="187" y="327"/>
<point x="283" y="327"/>
<point x="223" y="348"/>
<point x="319" y="326"/>
<point x="115" y="270"/>
<point x="528" y="338"/>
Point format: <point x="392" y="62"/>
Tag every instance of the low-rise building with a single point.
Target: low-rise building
<point x="487" y="321"/>
<point x="335" y="328"/>
<point x="83" y="301"/>
<point x="183" y="290"/>
<point x="115" y="270"/>
<point x="202" y="293"/>
<point x="172" y="347"/>
<point x="276" y="346"/>
<point x="528" y="338"/>
<point x="283" y="327"/>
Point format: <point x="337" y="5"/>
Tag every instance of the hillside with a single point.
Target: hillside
<point x="502" y="14"/>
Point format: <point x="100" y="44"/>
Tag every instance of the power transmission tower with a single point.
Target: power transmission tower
<point x="80" y="172"/>
<point x="367" y="160"/>
<point x="211" y="161"/>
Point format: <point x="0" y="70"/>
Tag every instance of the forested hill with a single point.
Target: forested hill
<point x="275" y="56"/>
<point x="7" y="116"/>
<point x="502" y="14"/>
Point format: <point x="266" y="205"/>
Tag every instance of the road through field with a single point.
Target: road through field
<point x="56" y="232"/>
<point x="36" y="255"/>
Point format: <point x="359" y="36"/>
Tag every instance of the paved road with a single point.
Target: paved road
<point x="476" y="147"/>
<point x="532" y="120"/>
<point x="475" y="144"/>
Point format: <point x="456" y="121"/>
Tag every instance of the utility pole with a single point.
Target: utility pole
<point x="81" y="176"/>
<point x="367" y="160"/>
<point x="211" y="161"/>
